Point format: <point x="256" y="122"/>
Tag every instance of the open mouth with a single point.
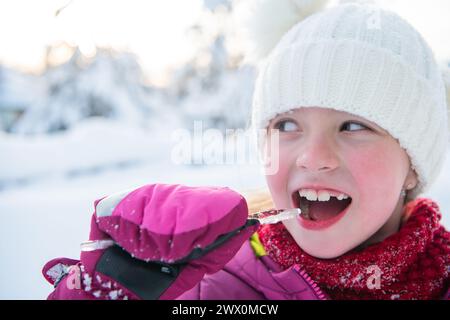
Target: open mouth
<point x="320" y="205"/>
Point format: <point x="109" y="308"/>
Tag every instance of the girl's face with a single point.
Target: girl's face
<point x="330" y="155"/>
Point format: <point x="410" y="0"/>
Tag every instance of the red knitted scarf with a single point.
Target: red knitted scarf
<point x="413" y="263"/>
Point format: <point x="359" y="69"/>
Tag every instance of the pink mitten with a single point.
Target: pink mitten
<point x="157" y="242"/>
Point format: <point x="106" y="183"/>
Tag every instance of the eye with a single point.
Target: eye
<point x="286" y="126"/>
<point x="353" y="126"/>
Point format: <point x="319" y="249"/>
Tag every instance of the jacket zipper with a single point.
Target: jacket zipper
<point x="319" y="293"/>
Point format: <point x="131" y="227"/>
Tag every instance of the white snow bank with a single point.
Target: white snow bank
<point x="94" y="145"/>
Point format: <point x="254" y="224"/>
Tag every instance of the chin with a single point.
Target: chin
<point x="329" y="253"/>
<point x="322" y="249"/>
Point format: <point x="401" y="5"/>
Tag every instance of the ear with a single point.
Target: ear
<point x="411" y="180"/>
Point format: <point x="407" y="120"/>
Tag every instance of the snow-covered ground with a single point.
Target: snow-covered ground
<point x="48" y="185"/>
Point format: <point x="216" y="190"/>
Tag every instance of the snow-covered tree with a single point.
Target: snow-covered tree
<point x="211" y="87"/>
<point x="107" y="85"/>
<point x="17" y="92"/>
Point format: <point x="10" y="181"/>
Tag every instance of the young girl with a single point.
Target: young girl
<point x="355" y="102"/>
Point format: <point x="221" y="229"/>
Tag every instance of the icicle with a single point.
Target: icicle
<point x="275" y="216"/>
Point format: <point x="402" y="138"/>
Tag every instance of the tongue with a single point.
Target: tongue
<point x="324" y="210"/>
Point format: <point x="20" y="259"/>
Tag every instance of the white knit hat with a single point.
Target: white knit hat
<point x="365" y="61"/>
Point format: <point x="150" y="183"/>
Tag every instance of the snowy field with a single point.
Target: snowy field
<point x="48" y="186"/>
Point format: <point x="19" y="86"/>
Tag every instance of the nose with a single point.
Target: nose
<point x="317" y="154"/>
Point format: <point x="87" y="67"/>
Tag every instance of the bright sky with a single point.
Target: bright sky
<point x="153" y="29"/>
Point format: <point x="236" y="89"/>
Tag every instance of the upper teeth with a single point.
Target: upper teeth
<point x="321" y="195"/>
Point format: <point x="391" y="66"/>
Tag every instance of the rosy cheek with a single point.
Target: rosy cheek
<point x="377" y="174"/>
<point x="368" y="168"/>
<point x="376" y="167"/>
